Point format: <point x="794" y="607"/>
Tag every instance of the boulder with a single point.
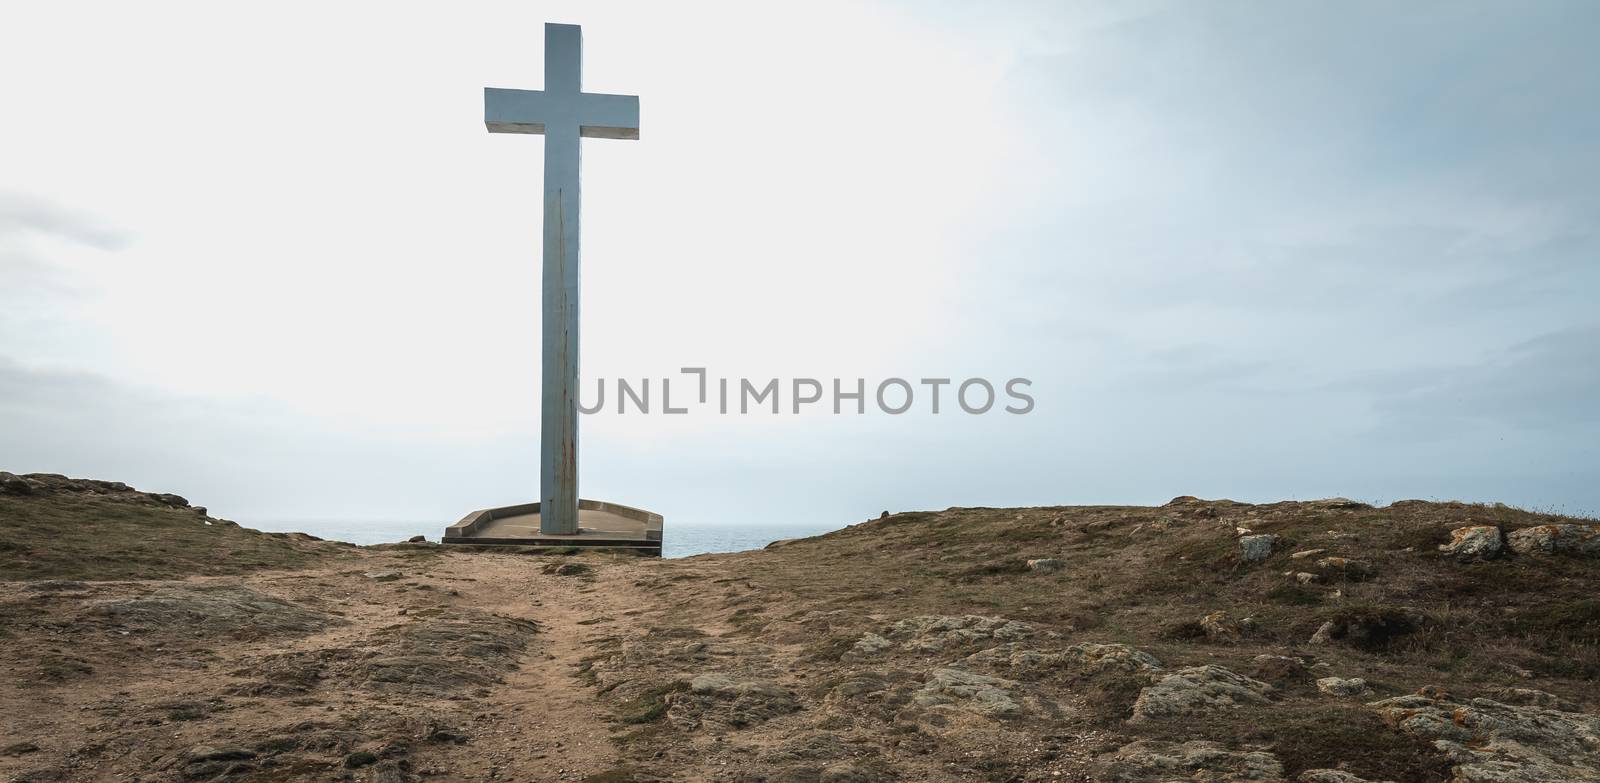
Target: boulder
<point x="867" y="646"/>
<point x="933" y="633"/>
<point x="1346" y="567"/>
<point x="736" y="703"/>
<point x="12" y="484"/>
<point x="1332" y="776"/>
<point x="1256" y="548"/>
<point x="1475" y="542"/>
<point x="1195" y="691"/>
<point x="168" y="499"/>
<point x="1154" y="761"/>
<point x="1219" y="627"/>
<point x="1494" y="742"/>
<point x="1111" y="657"/>
<point x="1551" y="539"/>
<point x="1045" y="565"/>
<point x="968" y="691"/>
<point x="1343" y="687"/>
<point x="417" y="540"/>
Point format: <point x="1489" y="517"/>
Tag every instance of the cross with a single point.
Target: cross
<point x="563" y="113"/>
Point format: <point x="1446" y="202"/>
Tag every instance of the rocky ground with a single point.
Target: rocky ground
<point x="1318" y="642"/>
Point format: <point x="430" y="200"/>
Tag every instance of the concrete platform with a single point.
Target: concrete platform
<point x="599" y="524"/>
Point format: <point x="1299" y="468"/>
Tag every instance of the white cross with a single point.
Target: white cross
<point x="563" y="112"/>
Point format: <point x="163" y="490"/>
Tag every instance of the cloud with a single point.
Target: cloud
<point x="22" y="215"/>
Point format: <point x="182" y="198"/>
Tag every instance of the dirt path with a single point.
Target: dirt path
<point x="543" y="722"/>
<point x="136" y="700"/>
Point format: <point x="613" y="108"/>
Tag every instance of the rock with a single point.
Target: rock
<point x="1528" y="697"/>
<point x="1305" y="553"/>
<point x="168" y="499"/>
<point x="217" y="753"/>
<point x="391" y="771"/>
<point x="1349" y="568"/>
<point x="1306" y="577"/>
<point x="417" y="540"/>
<point x="1344" y="688"/>
<point x="12" y="484"/>
<point x="964" y="690"/>
<point x="867" y="646"/>
<point x="1254" y="549"/>
<point x="1111" y="657"/>
<point x="1153" y="761"/>
<point x="731" y="702"/>
<point x="1280" y="669"/>
<point x="1046" y="565"/>
<point x="1197" y="690"/>
<point x="1333" y="776"/>
<point x="1324" y="633"/>
<point x="932" y="633"/>
<point x="19" y="749"/>
<point x="1338" y="504"/>
<point x="382" y="576"/>
<point x="1219" y="627"/>
<point x="1551" y="539"/>
<point x="1494" y="742"/>
<point x="1476" y="542"/>
<point x="360" y="758"/>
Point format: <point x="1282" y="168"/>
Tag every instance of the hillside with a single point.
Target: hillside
<point x="1316" y="642"/>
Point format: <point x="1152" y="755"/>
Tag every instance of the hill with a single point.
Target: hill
<point x="1316" y="642"/>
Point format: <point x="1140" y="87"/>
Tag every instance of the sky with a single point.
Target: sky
<point x="268" y="257"/>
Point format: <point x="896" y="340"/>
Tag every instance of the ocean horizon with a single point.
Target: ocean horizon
<point x="681" y="539"/>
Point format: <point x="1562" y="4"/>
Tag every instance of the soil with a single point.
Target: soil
<point x="919" y="646"/>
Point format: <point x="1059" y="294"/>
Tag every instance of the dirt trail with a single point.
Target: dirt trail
<point x="543" y="722"/>
<point x="433" y="643"/>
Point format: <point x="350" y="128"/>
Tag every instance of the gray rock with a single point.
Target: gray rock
<point x="1154" y="761"/>
<point x="382" y="576"/>
<point x="1045" y="565"/>
<point x="417" y="540"/>
<point x="1197" y="690"/>
<point x="734" y="703"/>
<point x="1494" y="742"/>
<point x="168" y="499"/>
<point x="12" y="484"/>
<point x="1551" y="539"/>
<point x="933" y="633"/>
<point x="1476" y="542"/>
<point x="1256" y="548"/>
<point x="1111" y="657"/>
<point x="1333" y="776"/>
<point x="964" y="690"/>
<point x="867" y="646"/>
<point x="1343" y="687"/>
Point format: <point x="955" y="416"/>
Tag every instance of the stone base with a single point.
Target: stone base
<point x="600" y="524"/>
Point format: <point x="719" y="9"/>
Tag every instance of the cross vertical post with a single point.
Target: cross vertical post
<point x="563" y="113"/>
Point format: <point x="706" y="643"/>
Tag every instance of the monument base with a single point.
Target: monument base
<point x="600" y="524"/>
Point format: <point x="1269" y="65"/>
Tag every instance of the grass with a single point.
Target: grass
<point x="80" y="536"/>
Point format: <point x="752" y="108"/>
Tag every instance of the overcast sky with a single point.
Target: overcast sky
<point x="269" y="258"/>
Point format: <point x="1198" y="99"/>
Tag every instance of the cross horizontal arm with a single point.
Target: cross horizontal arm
<point x="603" y="116"/>
<point x="597" y="116"/>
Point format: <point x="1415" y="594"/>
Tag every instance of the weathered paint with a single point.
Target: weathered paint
<point x="564" y="114"/>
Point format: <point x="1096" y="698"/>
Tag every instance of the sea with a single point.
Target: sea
<point x="680" y="539"/>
